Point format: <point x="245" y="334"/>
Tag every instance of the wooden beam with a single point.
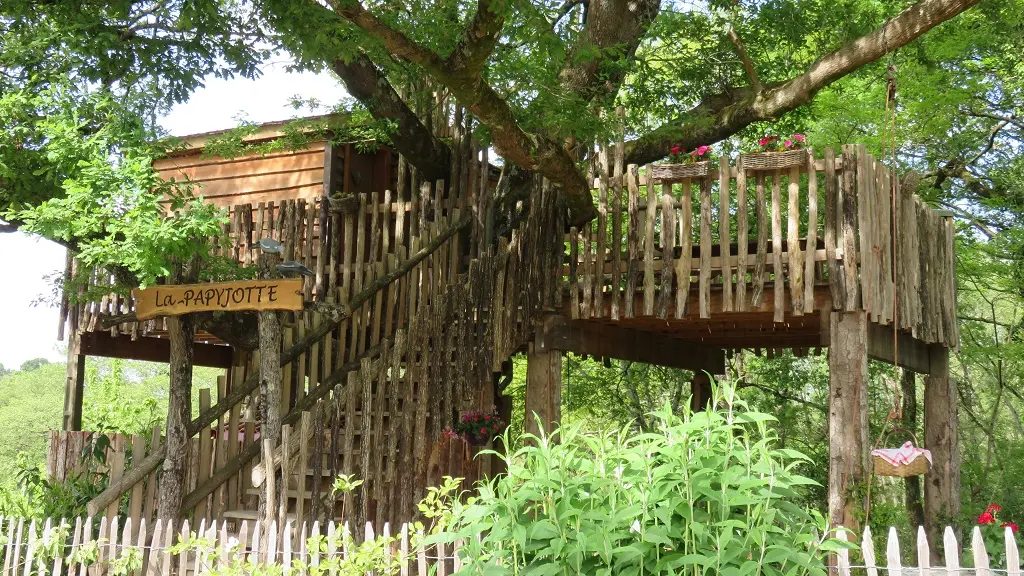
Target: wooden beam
<point x="608" y="341"/>
<point x="905" y="351"/>
<point x="700" y="391"/>
<point x="151" y="349"/>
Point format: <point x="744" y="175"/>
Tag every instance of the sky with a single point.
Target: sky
<point x="31" y="331"/>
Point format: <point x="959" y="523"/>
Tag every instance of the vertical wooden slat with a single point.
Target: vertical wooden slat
<point x="724" y="232"/>
<point x="684" y="266"/>
<point x="574" y="291"/>
<point x="849" y="219"/>
<point x="138" y="495"/>
<point x="795" y="269"/>
<point x="812" y="233"/>
<point x="30" y="549"/>
<point x="742" y="229"/>
<point x="867" y="548"/>
<point x="632" y="237"/>
<point x="588" y="280"/>
<point x="617" y="223"/>
<point x="600" y="261"/>
<point x="1012" y="553"/>
<point x="843" y="554"/>
<point x="12" y="559"/>
<point x="865" y="227"/>
<point x="924" y="556"/>
<point x="705" y="247"/>
<point x="183" y="558"/>
<point x="892" y="554"/>
<point x="832" y="230"/>
<point x="649" y="246"/>
<point x="981" y="567"/>
<point x="668" y="231"/>
<point x="761" y="259"/>
<point x="780" y="283"/>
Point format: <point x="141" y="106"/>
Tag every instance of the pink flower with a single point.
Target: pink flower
<point x="788" y="143"/>
<point x="483" y="431"/>
<point x="487" y="416"/>
<point x="702" y="150"/>
<point x="799" y="137"/>
<point x="1010" y="525"/>
<point x="986" y="518"/>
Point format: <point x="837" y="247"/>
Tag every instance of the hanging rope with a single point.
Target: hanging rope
<point x="889" y="127"/>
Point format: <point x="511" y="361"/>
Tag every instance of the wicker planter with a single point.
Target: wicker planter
<point x="917" y="467"/>
<point x="774" y="160"/>
<point x="679" y="171"/>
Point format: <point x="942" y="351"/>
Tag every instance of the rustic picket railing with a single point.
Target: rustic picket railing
<point x="50" y="547"/>
<point x="691" y="240"/>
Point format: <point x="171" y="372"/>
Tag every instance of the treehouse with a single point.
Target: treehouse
<point x="684" y="264"/>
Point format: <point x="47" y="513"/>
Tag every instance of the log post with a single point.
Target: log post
<point x="75" y="384"/>
<point x="700" y="391"/>
<point x="911" y="484"/>
<point x="543" y="389"/>
<point x="942" y="483"/>
<point x="847" y="417"/>
<point x="181" y="331"/>
<point x="270" y="386"/>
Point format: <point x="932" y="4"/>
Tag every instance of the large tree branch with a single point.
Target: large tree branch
<point x="614" y="29"/>
<point x="367" y="83"/>
<point x="712" y="121"/>
<point x="479" y="38"/>
<point x="531" y="152"/>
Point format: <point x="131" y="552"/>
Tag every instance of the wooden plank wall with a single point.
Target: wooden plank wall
<point x="695" y="240"/>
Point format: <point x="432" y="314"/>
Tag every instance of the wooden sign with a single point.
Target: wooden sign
<point x="173" y="300"/>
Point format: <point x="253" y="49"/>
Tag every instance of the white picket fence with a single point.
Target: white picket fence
<point x="951" y="556"/>
<point x="31" y="548"/>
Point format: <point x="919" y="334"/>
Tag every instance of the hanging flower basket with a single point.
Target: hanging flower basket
<point x="477" y="427"/>
<point x="907" y="460"/>
<point x="679" y="171"/>
<point x="774" y="160"/>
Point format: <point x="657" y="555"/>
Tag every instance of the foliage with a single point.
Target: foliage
<point x="707" y="492"/>
<point x="481" y="425"/>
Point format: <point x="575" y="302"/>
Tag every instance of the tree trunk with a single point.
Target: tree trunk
<point x="181" y="332"/>
<point x="270" y="387"/>
<point x="911" y="484"/>
<point x="847" y="417"/>
<point x="942" y="484"/>
<point x="543" y="390"/>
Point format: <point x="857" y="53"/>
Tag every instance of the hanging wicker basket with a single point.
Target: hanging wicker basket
<point x="774" y="160"/>
<point x="679" y="171"/>
<point x="921" y="464"/>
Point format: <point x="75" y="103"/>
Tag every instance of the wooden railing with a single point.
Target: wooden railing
<point x="678" y="241"/>
<point x="53" y="547"/>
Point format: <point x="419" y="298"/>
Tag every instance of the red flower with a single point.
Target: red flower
<point x="993" y="508"/>
<point x="986" y="518"/>
<point x="767" y="140"/>
<point x="483" y="432"/>
<point x="487" y="416"/>
<point x="1010" y="525"/>
<point x="676" y="150"/>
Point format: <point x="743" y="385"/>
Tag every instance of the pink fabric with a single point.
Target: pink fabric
<point x="903" y="455"/>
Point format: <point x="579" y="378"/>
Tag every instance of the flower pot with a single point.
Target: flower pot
<point x="774" y="160"/>
<point x="669" y="172"/>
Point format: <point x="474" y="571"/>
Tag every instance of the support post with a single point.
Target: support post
<point x="847" y="417"/>
<point x="700" y="391"/>
<point x="270" y="392"/>
<point x="74" y="387"/>
<point x="543" y="389"/>
<point x="181" y="332"/>
<point x="942" y="483"/>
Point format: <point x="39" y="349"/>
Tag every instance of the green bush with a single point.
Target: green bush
<point x="705" y="493"/>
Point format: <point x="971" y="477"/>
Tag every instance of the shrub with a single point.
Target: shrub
<point x="707" y="493"/>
